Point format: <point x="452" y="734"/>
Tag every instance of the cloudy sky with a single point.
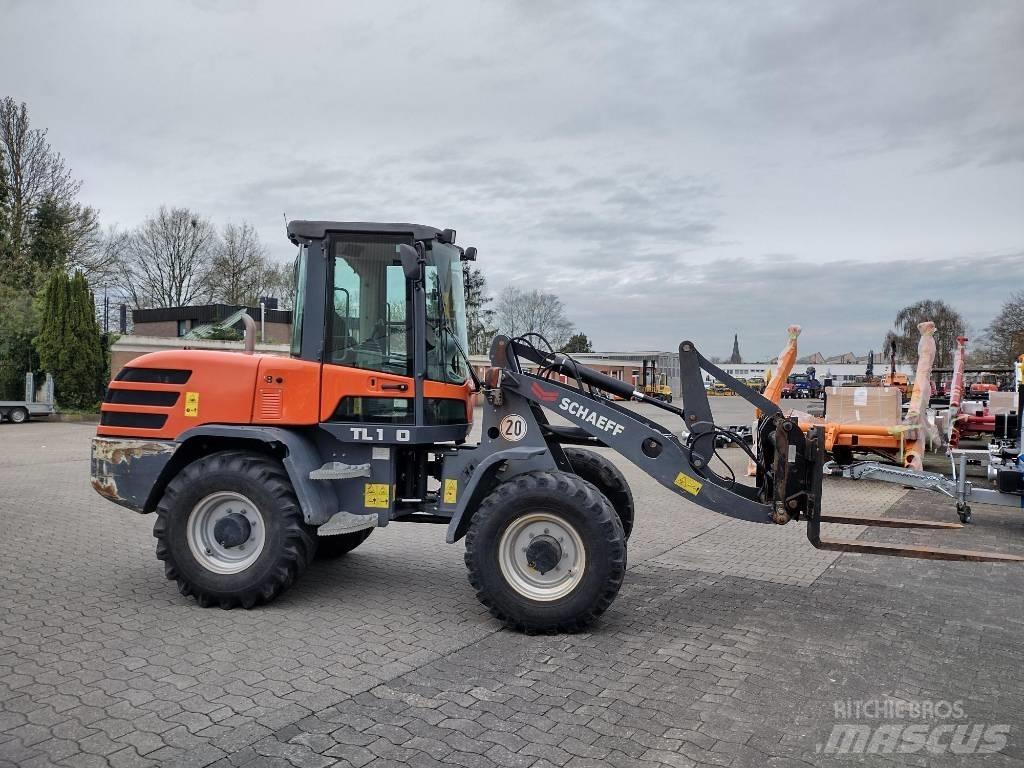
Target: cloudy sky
<point x="670" y="170"/>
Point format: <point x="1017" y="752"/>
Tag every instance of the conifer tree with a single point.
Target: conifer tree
<point x="69" y="343"/>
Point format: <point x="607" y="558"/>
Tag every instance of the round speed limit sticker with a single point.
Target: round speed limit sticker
<point x="513" y="427"/>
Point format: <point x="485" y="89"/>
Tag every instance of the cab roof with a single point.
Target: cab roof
<point x="317" y="230"/>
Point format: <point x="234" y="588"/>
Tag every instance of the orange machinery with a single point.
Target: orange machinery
<point x="902" y="442"/>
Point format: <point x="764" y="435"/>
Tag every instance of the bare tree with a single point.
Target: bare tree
<point x="281" y="283"/>
<point x="166" y="261"/>
<point x="97" y="254"/>
<point x="948" y="325"/>
<point x="240" y="272"/>
<point x="518" y="312"/>
<point x="1004" y="337"/>
<point x="30" y="171"/>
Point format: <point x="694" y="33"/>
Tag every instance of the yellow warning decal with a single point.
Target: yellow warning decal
<point x="451" y="490"/>
<point x="192" y="404"/>
<point x="376" y="495"/>
<point x="689" y="484"/>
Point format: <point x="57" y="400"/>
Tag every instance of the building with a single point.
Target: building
<point x="196" y="322"/>
<point x="839" y="373"/>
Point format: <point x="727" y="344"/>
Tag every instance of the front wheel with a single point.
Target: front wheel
<point x="230" y="531"/>
<point x="546" y="552"/>
<point x="18" y="416"/>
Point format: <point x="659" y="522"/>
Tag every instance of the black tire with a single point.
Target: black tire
<point x="575" y="503"/>
<point x="332" y="547"/>
<point x="606" y="477"/>
<point x="18" y="415"/>
<point x="289" y="545"/>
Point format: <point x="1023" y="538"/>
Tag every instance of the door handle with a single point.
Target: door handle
<point x="395" y="387"/>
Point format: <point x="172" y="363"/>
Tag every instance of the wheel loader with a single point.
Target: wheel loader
<point x="252" y="464"/>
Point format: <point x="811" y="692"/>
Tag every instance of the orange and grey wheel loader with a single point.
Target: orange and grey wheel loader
<point x="255" y="463"/>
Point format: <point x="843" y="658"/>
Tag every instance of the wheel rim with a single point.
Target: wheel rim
<point x="540" y="536"/>
<point x="18" y="416"/>
<point x="234" y="544"/>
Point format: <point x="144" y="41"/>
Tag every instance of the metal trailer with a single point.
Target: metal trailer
<point x="1005" y="461"/>
<point x="20" y="411"/>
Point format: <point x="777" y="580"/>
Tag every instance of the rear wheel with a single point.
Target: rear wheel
<point x="546" y="552"/>
<point x="230" y="531"/>
<point x="606" y="477"/>
<point x="331" y="547"/>
<point x="18" y="415"/>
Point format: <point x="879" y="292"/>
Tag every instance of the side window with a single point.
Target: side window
<point x="367" y="308"/>
<point x="299" y="276"/>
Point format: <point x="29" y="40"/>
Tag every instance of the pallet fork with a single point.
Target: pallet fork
<point x="789" y="462"/>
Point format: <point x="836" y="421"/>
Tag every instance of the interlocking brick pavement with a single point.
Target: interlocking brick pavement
<point x="728" y="645"/>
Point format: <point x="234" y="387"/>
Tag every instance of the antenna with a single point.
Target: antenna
<point x="285" y="217"/>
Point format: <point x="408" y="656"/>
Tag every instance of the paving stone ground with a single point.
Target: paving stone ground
<point x="730" y="644"/>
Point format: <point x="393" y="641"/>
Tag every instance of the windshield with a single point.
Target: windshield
<point x="446" y="315"/>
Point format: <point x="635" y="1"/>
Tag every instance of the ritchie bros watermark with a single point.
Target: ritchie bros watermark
<point x="888" y="726"/>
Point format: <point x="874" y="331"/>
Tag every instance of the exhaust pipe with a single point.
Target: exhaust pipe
<point x="250" y="333"/>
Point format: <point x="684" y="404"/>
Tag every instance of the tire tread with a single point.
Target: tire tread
<point x="593" y="502"/>
<point x="300" y="542"/>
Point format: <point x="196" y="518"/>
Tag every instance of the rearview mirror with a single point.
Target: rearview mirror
<point x="410" y="259"/>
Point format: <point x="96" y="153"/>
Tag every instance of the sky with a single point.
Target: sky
<point x="670" y="170"/>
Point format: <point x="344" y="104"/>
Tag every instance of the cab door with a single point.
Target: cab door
<point x="366" y="376"/>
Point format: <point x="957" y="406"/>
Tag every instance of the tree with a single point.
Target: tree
<point x="948" y="325"/>
<point x="69" y="343"/>
<point x="1004" y="337"/>
<point x="166" y="261"/>
<point x="239" y="272"/>
<point x="32" y="172"/>
<point x="50" y="235"/>
<point x="5" y="220"/>
<point x="519" y="312"/>
<point x="578" y="342"/>
<point x="479" y="317"/>
<point x="281" y="284"/>
<point x="19" y="324"/>
<point x="97" y="254"/>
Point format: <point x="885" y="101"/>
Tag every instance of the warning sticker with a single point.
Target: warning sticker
<point x="376" y="495"/>
<point x="451" y="490"/>
<point x="688" y="484"/>
<point x="192" y="404"/>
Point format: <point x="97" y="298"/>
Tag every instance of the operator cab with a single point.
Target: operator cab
<point x="382" y="307"/>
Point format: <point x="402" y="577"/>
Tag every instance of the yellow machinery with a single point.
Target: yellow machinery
<point x="654" y="384"/>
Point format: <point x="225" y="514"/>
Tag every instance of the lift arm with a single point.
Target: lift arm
<point x="789" y="463"/>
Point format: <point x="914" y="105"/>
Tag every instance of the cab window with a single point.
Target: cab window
<point x="367" y="318"/>
<point x="299" y="276"/>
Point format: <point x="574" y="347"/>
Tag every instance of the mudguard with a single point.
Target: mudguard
<point x="317" y="499"/>
<point x="133" y="472"/>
